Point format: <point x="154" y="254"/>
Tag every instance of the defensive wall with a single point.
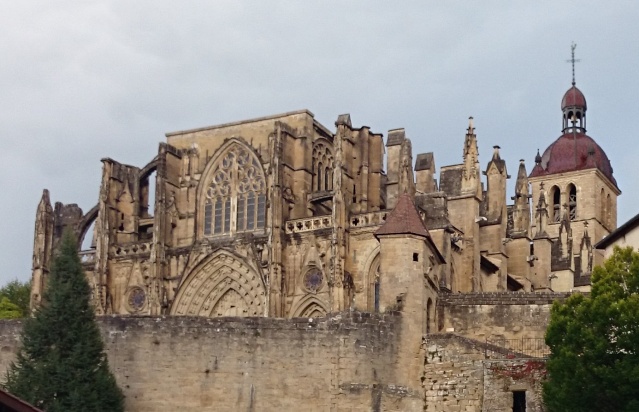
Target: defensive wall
<point x="497" y="315"/>
<point x="339" y="363"/>
<point x="345" y="362"/>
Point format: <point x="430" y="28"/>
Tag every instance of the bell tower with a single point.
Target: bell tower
<point x="574" y="180"/>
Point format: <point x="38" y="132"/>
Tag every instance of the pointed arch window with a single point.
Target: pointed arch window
<point x="556" y="204"/>
<point x="322" y="167"/>
<point x="609" y="210"/>
<point x="236" y="197"/>
<point x="572" y="201"/>
<point x="602" y="206"/>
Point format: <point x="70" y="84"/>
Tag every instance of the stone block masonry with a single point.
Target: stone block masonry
<point x="340" y="363"/>
<point x="458" y="378"/>
<point x="497" y="315"/>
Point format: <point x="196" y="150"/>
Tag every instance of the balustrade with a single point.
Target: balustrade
<point x="308" y="224"/>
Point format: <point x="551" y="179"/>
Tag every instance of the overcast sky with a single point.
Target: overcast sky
<point x="84" y="80"/>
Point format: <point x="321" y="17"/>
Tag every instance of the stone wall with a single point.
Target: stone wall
<point x="458" y="377"/>
<point x="497" y="315"/>
<point x="342" y="363"/>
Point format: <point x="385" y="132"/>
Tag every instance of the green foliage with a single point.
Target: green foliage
<point x="594" y="342"/>
<point x="61" y="365"/>
<point x="19" y="294"/>
<point x="9" y="310"/>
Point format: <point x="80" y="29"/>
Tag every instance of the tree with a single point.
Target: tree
<point x="61" y="365"/>
<point x="9" y="310"/>
<point x="19" y="294"/>
<point x="594" y="342"/>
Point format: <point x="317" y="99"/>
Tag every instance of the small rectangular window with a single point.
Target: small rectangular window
<point x="519" y="401"/>
<point x="415" y="257"/>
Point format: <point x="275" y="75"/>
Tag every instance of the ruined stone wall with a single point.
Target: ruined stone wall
<point x="458" y="376"/>
<point x="492" y="315"/>
<point x="343" y="363"/>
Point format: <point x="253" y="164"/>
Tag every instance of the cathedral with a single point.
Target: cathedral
<point x="281" y="216"/>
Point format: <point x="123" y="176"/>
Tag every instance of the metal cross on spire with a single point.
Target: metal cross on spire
<point x="573" y="46"/>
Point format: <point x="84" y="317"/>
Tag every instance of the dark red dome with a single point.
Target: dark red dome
<point x="573" y="98"/>
<point x="572" y="152"/>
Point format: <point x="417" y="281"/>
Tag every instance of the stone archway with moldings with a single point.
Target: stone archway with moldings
<point x="310" y="306"/>
<point x="222" y="285"/>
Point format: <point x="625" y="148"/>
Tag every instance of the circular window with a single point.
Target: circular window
<point x="137" y="298"/>
<point x="313" y="280"/>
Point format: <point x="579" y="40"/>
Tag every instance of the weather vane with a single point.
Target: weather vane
<point x="573" y="46"/>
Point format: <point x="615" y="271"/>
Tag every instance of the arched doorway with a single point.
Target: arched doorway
<point x="223" y="285"/>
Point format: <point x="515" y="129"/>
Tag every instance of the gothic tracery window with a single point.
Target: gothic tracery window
<point x="236" y="197"/>
<point x="322" y="167"/>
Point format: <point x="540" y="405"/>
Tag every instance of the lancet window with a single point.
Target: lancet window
<point x="322" y="167"/>
<point x="609" y="210"/>
<point x="556" y="204"/>
<point x="236" y="197"/>
<point x="572" y="201"/>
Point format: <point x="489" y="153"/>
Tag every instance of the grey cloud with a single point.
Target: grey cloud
<point x="86" y="80"/>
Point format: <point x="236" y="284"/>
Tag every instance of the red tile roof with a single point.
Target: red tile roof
<point x="571" y="152"/>
<point x="404" y="220"/>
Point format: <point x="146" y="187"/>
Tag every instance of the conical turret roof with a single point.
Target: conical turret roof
<point x="404" y="220"/>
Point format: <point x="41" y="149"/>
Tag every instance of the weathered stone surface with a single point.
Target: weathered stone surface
<point x="274" y="218"/>
<point x="260" y="364"/>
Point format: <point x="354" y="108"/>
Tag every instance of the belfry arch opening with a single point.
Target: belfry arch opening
<point x="572" y="201"/>
<point x="555" y="195"/>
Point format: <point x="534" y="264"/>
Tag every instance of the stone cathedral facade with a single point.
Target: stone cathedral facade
<point x="283" y="217"/>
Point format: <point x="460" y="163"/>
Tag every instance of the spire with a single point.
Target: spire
<point x="521" y="210"/>
<point x="496" y="160"/>
<point x="521" y="185"/>
<point x="471" y="182"/>
<point x="45" y="202"/>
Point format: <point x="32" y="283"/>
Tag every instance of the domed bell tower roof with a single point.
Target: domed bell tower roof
<point x="574" y="149"/>
<point x="574" y="99"/>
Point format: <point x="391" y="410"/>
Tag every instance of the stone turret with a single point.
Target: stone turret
<point x="399" y="162"/>
<point x="425" y="173"/>
<point x="407" y="283"/>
